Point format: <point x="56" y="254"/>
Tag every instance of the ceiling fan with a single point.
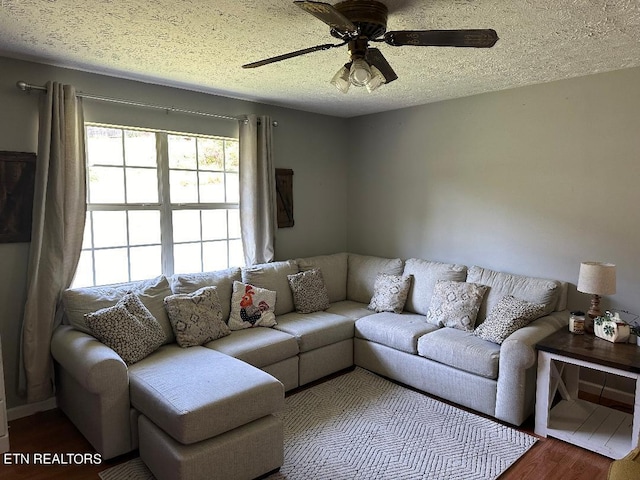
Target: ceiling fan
<point x="359" y="22"/>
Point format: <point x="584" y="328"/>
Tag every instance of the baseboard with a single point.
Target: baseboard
<point x="31" y="409"/>
<point x="608" y="392"/>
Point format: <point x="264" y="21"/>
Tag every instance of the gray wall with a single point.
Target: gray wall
<point x="312" y="145"/>
<point x="532" y="180"/>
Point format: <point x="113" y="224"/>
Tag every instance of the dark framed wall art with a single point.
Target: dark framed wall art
<point x="284" y="197"/>
<point x="17" y="180"/>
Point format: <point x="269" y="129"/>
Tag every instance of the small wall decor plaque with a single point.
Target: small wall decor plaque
<point x="284" y="194"/>
<point x="17" y="180"/>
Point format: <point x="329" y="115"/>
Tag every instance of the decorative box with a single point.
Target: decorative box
<point x="608" y="328"/>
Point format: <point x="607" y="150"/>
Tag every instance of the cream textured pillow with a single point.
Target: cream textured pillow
<point x="390" y="293"/>
<point x="128" y="328"/>
<point x="251" y="307"/>
<point x="510" y="314"/>
<point x="455" y="304"/>
<point x="196" y="317"/>
<point x="309" y="291"/>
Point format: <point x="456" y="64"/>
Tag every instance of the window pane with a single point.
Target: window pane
<point x="109" y="229"/>
<point x="184" y="186"/>
<point x="144" y="227"/>
<point x="140" y="148"/>
<point x="182" y="152"/>
<point x="214" y="255"/>
<point x="186" y="226"/>
<point x="232" y="155"/>
<point x="106" y="185"/>
<point x="211" y="187"/>
<point x="210" y="154"/>
<point x="146" y="262"/>
<point x="142" y="185"/>
<point x="236" y="255"/>
<point x="111" y="266"/>
<point x="214" y="225"/>
<point x="233" y="187"/>
<point x="234" y="223"/>
<point x="104" y="146"/>
<point x="84" y="272"/>
<point x="186" y="258"/>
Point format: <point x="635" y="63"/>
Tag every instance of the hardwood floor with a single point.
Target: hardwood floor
<point x="51" y="431"/>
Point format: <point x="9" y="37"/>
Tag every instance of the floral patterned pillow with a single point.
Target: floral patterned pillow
<point x="455" y="304"/>
<point x="390" y="293"/>
<point x="509" y="314"/>
<point x="196" y="318"/>
<point x="128" y="328"/>
<point x="309" y="291"/>
<point x="251" y="307"/>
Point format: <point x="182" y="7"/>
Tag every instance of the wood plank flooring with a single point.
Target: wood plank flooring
<point x="51" y="431"/>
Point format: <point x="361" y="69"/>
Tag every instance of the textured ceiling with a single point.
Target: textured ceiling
<point x="201" y="45"/>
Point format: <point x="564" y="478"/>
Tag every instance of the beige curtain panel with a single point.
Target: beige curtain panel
<point x="257" y="190"/>
<point x="59" y="210"/>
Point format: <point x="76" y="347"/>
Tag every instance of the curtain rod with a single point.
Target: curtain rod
<point x="27" y="87"/>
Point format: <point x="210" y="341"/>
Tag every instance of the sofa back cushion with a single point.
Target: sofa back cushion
<point x="425" y="274"/>
<point x="531" y="289"/>
<point x="79" y="301"/>
<point x="334" y="272"/>
<point x="362" y="271"/>
<point x="273" y="276"/>
<point x="221" y="279"/>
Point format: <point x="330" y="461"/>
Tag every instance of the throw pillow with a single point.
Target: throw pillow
<point x="390" y="293"/>
<point x="509" y="315"/>
<point x="309" y="291"/>
<point x="251" y="307"/>
<point x="128" y="328"/>
<point x="196" y="317"/>
<point x="455" y="304"/>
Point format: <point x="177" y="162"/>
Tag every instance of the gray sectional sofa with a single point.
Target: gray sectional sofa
<point x="193" y="411"/>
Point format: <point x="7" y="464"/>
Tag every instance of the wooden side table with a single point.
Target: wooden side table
<point x="595" y="427"/>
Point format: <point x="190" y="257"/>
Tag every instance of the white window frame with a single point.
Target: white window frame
<point x="163" y="206"/>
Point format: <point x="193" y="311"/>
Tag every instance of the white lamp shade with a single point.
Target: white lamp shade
<point x="597" y="278"/>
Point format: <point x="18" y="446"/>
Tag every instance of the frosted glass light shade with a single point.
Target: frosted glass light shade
<point x="341" y="80"/>
<point x="360" y="73"/>
<point x="597" y="278"/>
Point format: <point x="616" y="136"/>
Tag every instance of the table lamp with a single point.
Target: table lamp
<point x="597" y="278"/>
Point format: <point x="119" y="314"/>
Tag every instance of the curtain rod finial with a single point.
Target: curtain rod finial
<point x="22" y="85"/>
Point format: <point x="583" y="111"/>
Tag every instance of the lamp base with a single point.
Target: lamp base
<point x="594" y="311"/>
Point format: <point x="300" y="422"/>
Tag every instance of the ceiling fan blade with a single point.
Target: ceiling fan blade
<point x="297" y="53"/>
<point x="329" y="15"/>
<point x="374" y="57"/>
<point x="443" y="38"/>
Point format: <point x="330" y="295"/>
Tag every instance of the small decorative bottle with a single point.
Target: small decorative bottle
<point x="576" y="322"/>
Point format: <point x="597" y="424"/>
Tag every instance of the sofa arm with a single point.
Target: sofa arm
<point x="91" y="363"/>
<point x="517" y="373"/>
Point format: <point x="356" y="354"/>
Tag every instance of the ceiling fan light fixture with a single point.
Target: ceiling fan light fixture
<point x="377" y="80"/>
<point x="360" y="73"/>
<point x="341" y="79"/>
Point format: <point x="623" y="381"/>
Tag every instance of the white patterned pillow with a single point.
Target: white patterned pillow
<point x="509" y="314"/>
<point x="196" y="318"/>
<point x="128" y="328"/>
<point x="251" y="307"/>
<point x="390" y="293"/>
<point x="309" y="291"/>
<point x="455" y="304"/>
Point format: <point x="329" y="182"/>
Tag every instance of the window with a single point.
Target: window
<point x="158" y="202"/>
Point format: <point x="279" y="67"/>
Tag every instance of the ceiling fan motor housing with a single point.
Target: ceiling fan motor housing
<point x="368" y="15"/>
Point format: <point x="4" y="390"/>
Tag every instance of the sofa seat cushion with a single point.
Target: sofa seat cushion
<point x="315" y="330"/>
<point x="461" y="350"/>
<point x="350" y="309"/>
<point x="198" y="393"/>
<point x="396" y="330"/>
<point x="259" y="347"/>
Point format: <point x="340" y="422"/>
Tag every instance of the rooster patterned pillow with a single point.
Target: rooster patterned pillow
<point x="251" y="307"/>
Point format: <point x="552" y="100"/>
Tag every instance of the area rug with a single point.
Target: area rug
<point x="361" y="426"/>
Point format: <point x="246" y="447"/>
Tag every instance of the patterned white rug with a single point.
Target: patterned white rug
<point x="361" y="426"/>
